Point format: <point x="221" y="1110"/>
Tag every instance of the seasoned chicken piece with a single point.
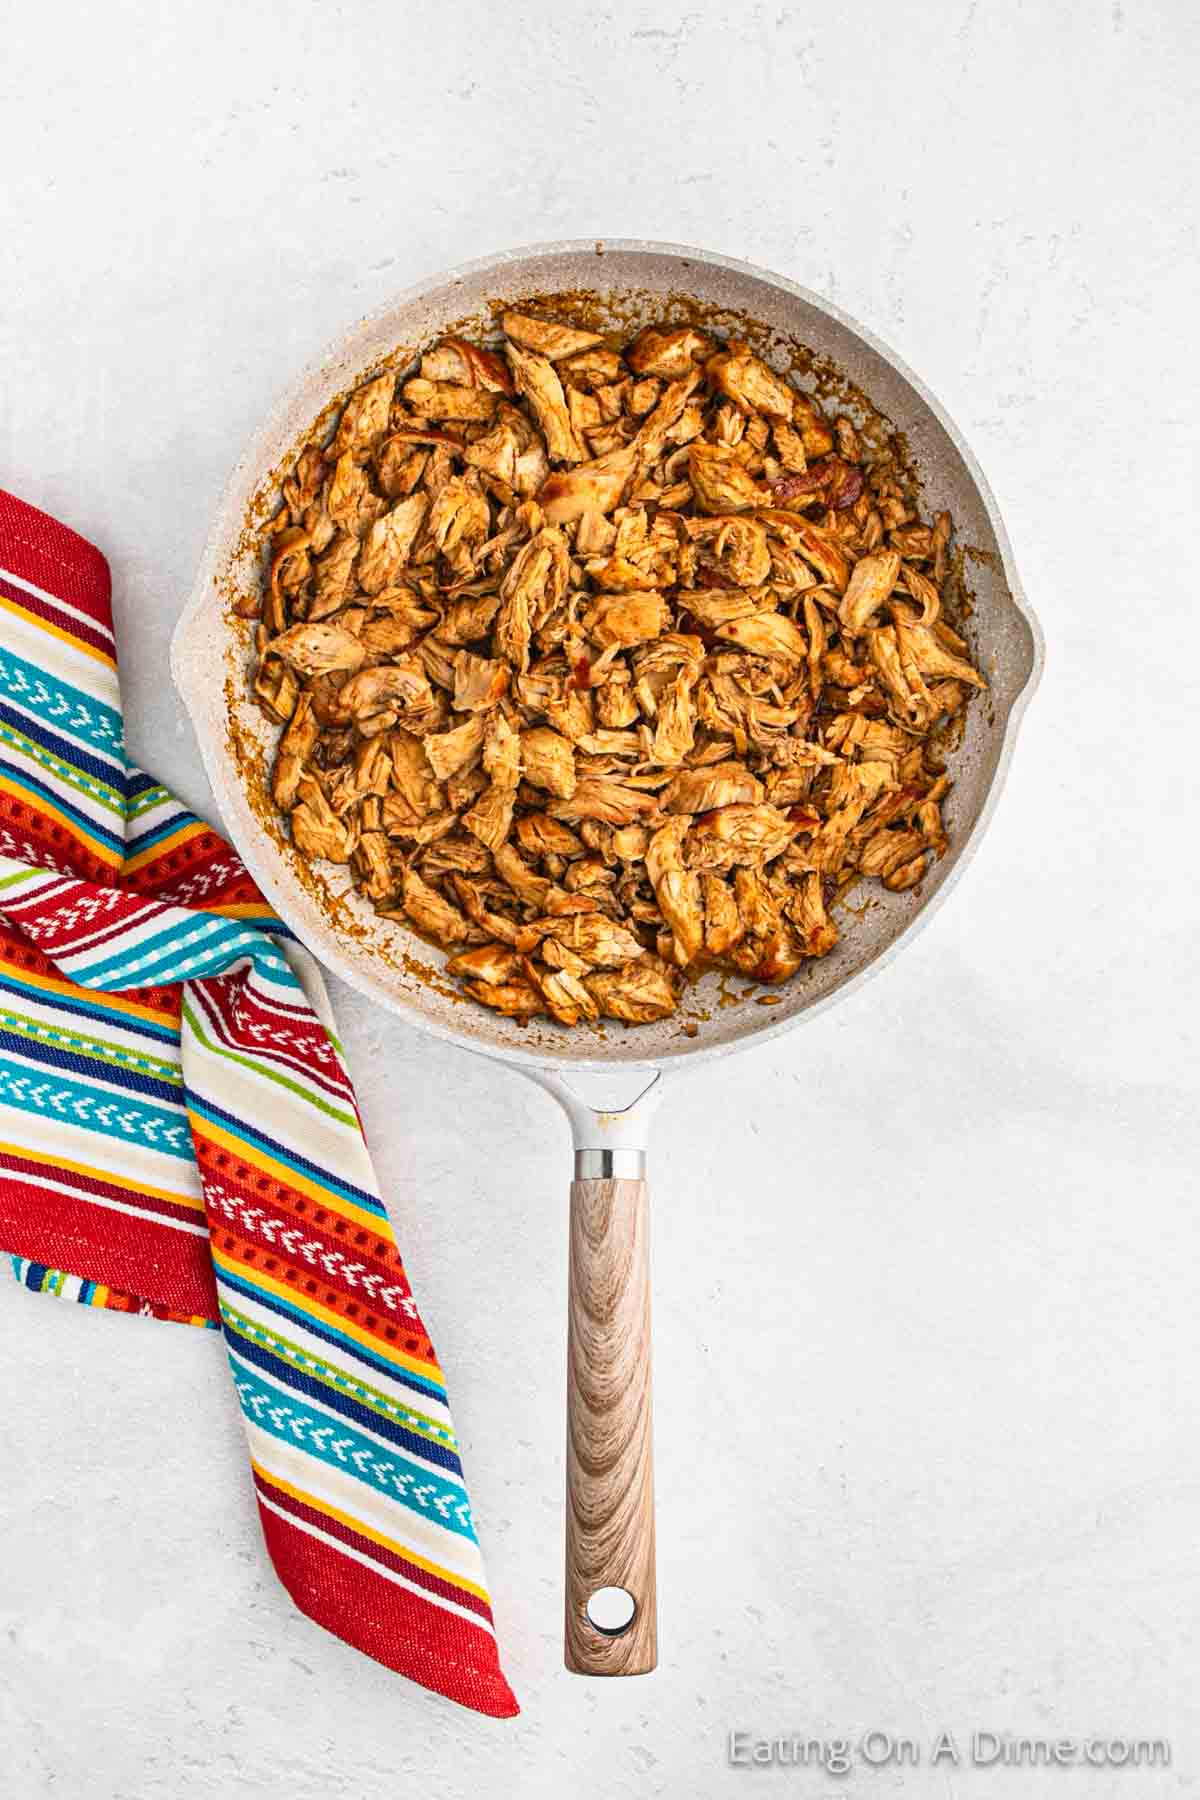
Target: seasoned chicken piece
<point x="490" y="818"/>
<point x="496" y="454"/>
<point x="739" y="547"/>
<point x="641" y="397"/>
<point x="372" y="861"/>
<point x="399" y="467"/>
<point x="290" y="568"/>
<point x="317" y="649"/>
<point x="738" y="834"/>
<point x="486" y="924"/>
<point x="459" y="522"/>
<point x="675" y="731"/>
<point x="591" y="370"/>
<point x="906" y="875"/>
<point x="276" y="689"/>
<point x="639" y="993"/>
<point x="334" y="576"/>
<point x="599" y="941"/>
<point x="676" y="888"/>
<point x="616" y="702"/>
<point x="626" y="619"/>
<point x="818" y="641"/>
<point x="806" y="909"/>
<point x="431" y="912"/>
<point x="541" y="835"/>
<point x="810" y="422"/>
<point x="456" y="853"/>
<point x="540" y="386"/>
<point x="467" y="365"/>
<point x="923" y="592"/>
<point x="720" y="480"/>
<point x="546" y="338"/>
<point x="888" y="849"/>
<point x="387" y="632"/>
<point x="364" y="419"/>
<point x="746" y="380"/>
<point x="789" y="447"/>
<point x="714" y="607"/>
<point x="399" y="821"/>
<point x="871" y="581"/>
<point x="723" y="927"/>
<point x="451" y="752"/>
<point x="530" y="463"/>
<point x="479" y="681"/>
<point x="911" y="700"/>
<point x="594" y="534"/>
<point x="317" y="832"/>
<point x="447" y="400"/>
<point x="598" y="797"/>
<point x="869" y="740"/>
<point x="597" y="486"/>
<point x="469" y="619"/>
<point x="584" y="410"/>
<point x="609" y="744"/>
<point x="668" y="351"/>
<point x="502" y="751"/>
<point x="818" y="546"/>
<point x="549" y="761"/>
<point x="572" y="714"/>
<point x="558" y="956"/>
<point x="411" y="777"/>
<point x="515" y="999"/>
<point x="295" y="747"/>
<point x="388" y="544"/>
<point x="492" y="963"/>
<point x="720" y="785"/>
<point x="375" y="698"/>
<point x="567" y="999"/>
<point x="919" y="646"/>
<point x="629" y="842"/>
<point x="771" y="959"/>
<point x="533" y="587"/>
<point x="672" y="420"/>
<point x="860" y="786"/>
<point x="766" y="634"/>
<point x="369" y="773"/>
<point x="349" y="501"/>
<point x="301" y="487"/>
<point x="511" y="867"/>
<point x="758" y="907"/>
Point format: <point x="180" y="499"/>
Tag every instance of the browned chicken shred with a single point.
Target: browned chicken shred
<point x="604" y="664"/>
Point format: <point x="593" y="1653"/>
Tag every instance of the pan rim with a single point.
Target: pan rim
<point x="263" y="868"/>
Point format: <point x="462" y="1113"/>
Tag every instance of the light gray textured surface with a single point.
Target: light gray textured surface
<point x="928" y="1452"/>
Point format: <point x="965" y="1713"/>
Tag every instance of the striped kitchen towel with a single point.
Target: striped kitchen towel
<point x="179" y="1137"/>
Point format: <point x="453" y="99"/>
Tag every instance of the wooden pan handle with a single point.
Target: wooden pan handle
<point x="610" y="1453"/>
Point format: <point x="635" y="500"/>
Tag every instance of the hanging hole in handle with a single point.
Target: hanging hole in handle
<point x="611" y="1610"/>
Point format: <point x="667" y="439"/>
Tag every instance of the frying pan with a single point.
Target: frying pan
<point x="608" y="1080"/>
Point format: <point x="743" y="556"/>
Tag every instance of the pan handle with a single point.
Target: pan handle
<point x="611" y="1604"/>
<point x="611" y="1624"/>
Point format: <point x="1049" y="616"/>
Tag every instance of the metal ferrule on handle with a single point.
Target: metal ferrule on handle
<point x="610" y="1165"/>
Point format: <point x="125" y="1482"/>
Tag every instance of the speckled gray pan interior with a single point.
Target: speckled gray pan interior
<point x="631" y="283"/>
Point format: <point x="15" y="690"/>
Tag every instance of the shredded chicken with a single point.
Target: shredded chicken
<point x="603" y="664"/>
